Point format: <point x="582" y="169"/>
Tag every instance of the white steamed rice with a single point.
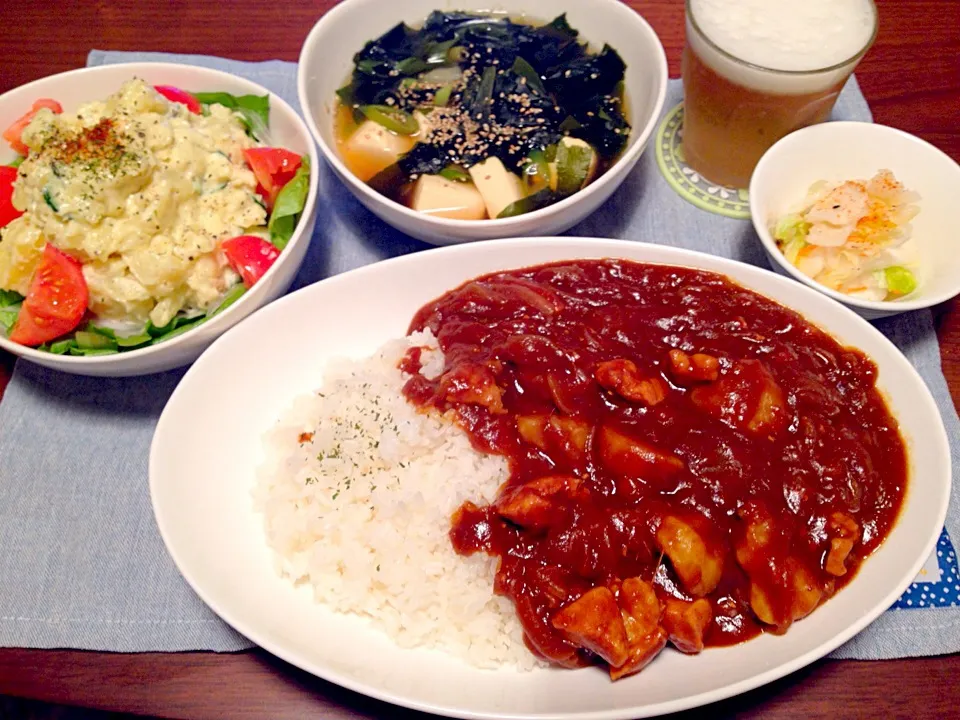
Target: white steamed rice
<point x="361" y="512"/>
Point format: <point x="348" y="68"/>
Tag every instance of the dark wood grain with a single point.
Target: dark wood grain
<point x="911" y="78"/>
<point x="253" y="685"/>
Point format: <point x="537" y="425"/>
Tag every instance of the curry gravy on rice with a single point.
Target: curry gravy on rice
<point x="678" y="460"/>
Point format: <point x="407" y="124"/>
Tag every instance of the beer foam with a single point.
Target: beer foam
<point x="785" y="35"/>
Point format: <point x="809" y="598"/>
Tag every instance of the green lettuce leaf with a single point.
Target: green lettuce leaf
<point x="61" y="347"/>
<point x="8" y="316"/>
<point x="791" y="227"/>
<point x="9" y="297"/>
<point x="231" y="296"/>
<point x="9" y="308"/>
<point x="255" y="109"/>
<point x="94" y="341"/>
<point x="289" y="205"/>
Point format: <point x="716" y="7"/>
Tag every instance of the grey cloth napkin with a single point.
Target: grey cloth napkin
<point x="81" y="562"/>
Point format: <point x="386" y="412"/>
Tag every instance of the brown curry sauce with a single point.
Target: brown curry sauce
<point x="689" y="461"/>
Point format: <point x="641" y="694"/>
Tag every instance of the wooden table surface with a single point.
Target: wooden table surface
<point x="911" y="79"/>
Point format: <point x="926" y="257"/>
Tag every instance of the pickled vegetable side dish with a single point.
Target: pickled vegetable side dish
<point x="854" y="237"/>
<point x="474" y="117"/>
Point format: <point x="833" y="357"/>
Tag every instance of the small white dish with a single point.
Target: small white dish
<point x="326" y="62"/>
<point x="208" y="446"/>
<point x="838" y="151"/>
<point x="287" y="130"/>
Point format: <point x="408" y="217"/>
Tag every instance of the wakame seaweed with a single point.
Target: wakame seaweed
<point x="540" y="79"/>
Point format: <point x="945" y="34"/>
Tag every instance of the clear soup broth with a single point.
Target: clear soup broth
<point x="475" y="117"/>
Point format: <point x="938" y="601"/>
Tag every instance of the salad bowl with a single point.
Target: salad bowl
<point x="285" y="129"/>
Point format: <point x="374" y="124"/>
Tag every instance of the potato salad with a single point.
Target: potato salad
<point x="156" y="204"/>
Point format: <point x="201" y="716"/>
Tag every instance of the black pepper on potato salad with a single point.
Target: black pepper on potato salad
<point x="138" y="217"/>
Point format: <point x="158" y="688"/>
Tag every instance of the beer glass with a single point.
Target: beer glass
<point x="736" y="108"/>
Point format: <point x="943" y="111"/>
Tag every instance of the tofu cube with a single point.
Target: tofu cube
<point x="444" y="198"/>
<point x="498" y="186"/>
<point x="373" y="148"/>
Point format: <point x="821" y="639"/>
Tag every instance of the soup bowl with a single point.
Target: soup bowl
<point x="326" y="62"/>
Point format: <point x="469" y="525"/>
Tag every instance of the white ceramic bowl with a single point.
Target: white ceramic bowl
<point x="326" y="63"/>
<point x="209" y="443"/>
<point x="287" y="130"/>
<point x="837" y="151"/>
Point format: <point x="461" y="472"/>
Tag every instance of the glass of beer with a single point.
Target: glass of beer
<point x="756" y="70"/>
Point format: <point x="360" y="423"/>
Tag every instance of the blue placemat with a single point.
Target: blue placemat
<point x="81" y="562"/>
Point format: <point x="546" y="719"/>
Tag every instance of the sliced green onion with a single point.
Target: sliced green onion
<point x="48" y="199"/>
<point x="529" y="203"/>
<point x="393" y="119"/>
<point x="442" y="96"/>
<point x="487" y="80"/>
<point x="536" y="173"/>
<point x="525" y="70"/>
<point x="455" y="173"/>
<point x="412" y="66"/>
<point x="437" y="53"/>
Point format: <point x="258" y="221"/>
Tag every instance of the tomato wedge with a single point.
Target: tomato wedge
<point x="274" y="168"/>
<point x="56" y="301"/>
<point x="249" y="255"/>
<point x="13" y="133"/>
<point x="175" y="94"/>
<point x="8" y="213"/>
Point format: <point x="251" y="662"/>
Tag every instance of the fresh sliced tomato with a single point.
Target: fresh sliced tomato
<point x="8" y="213"/>
<point x="13" y="133"/>
<point x="249" y="255"/>
<point x="175" y="94"/>
<point x="56" y="301"/>
<point x="274" y="168"/>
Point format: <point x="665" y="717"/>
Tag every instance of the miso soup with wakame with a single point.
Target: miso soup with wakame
<point x="473" y="117"/>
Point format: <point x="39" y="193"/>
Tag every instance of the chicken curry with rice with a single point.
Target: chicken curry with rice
<point x="690" y="462"/>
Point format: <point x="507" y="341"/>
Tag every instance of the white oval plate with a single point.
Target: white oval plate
<point x="207" y="447"/>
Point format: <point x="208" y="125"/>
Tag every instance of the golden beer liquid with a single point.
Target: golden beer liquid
<point x="728" y="127"/>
